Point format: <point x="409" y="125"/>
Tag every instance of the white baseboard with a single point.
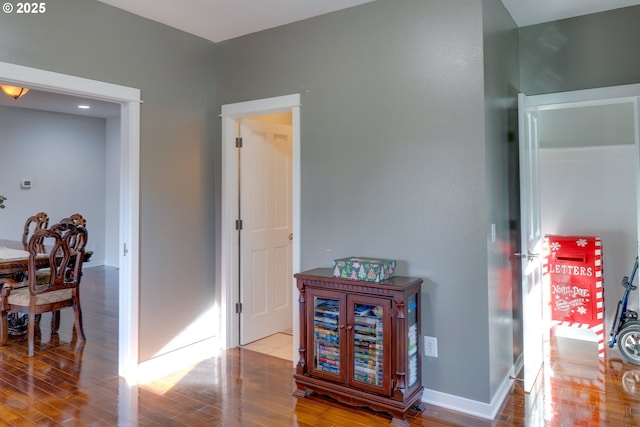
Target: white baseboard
<point x="179" y="359"/>
<point x="471" y="407"/>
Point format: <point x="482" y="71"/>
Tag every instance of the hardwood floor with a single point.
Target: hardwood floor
<point x="71" y="385"/>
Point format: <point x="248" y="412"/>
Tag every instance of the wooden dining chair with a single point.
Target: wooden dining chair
<point x="36" y="222"/>
<point x="61" y="227"/>
<point x="77" y="220"/>
<point x="39" y="221"/>
<point x="65" y="245"/>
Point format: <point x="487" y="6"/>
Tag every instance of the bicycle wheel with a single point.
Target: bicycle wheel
<point x="629" y="342"/>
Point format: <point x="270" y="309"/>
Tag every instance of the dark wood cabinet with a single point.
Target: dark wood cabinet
<point x="359" y="342"/>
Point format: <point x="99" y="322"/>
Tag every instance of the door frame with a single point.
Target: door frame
<point x="598" y="96"/>
<point x="129" y="258"/>
<point x="230" y="113"/>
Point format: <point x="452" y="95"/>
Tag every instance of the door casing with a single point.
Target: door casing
<point x="129" y="100"/>
<point x="229" y="259"/>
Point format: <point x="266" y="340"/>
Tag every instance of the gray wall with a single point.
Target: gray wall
<point x="58" y="153"/>
<point x="597" y="50"/>
<point x="592" y="126"/>
<point x="394" y="160"/>
<point x="176" y="75"/>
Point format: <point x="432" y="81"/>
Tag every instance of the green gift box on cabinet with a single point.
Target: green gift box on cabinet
<point x="367" y="269"/>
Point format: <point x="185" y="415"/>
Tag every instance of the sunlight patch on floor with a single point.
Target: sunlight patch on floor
<point x="171" y="367"/>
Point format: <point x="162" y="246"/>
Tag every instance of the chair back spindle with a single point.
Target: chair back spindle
<point x="39" y="221"/>
<point x="76" y="219"/>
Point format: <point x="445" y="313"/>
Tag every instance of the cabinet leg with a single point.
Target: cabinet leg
<point x="400" y="422"/>
<point x="412" y="411"/>
<point x="417" y="408"/>
<point x="302" y="392"/>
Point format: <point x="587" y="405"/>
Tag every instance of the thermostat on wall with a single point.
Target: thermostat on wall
<point x="25" y="184"/>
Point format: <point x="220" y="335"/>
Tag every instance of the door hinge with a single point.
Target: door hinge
<point x="238" y="224"/>
<point x="238" y="307"/>
<point x="239" y="142"/>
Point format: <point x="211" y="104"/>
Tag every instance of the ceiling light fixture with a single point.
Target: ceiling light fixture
<point x="84" y="107"/>
<point x="14" y="91"/>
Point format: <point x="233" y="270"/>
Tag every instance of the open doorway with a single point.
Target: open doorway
<point x="593" y="97"/>
<point x="82" y="133"/>
<point x="232" y="117"/>
<point x="129" y="100"/>
<point x="589" y="153"/>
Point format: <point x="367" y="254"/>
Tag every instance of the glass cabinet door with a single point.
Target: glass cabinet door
<point x="327" y="318"/>
<point x="369" y="324"/>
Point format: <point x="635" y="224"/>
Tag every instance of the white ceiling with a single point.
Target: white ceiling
<point x="218" y="20"/>
<point x="530" y="12"/>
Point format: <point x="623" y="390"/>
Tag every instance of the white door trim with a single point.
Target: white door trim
<point x="597" y="96"/>
<point x="229" y="249"/>
<point x="129" y="99"/>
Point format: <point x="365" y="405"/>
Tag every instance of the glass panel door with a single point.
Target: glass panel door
<point x="370" y="326"/>
<point x="367" y="342"/>
<point x="327" y="324"/>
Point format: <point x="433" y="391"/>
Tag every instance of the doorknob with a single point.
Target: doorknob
<point x="290" y="236"/>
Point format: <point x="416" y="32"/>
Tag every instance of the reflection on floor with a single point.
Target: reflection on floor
<point x="277" y="345"/>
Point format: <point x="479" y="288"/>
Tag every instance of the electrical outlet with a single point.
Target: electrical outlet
<point x="431" y="346"/>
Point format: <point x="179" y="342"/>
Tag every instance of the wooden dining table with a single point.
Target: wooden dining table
<point x="14" y="260"/>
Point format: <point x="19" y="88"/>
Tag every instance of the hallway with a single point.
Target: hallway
<point x="277" y="345"/>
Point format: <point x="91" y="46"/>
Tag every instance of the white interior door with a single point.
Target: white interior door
<point x="531" y="243"/>
<point x="266" y="235"/>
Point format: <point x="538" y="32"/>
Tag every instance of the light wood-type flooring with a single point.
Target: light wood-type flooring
<point x="70" y="385"/>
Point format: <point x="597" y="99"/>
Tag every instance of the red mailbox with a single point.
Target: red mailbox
<point x="573" y="269"/>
